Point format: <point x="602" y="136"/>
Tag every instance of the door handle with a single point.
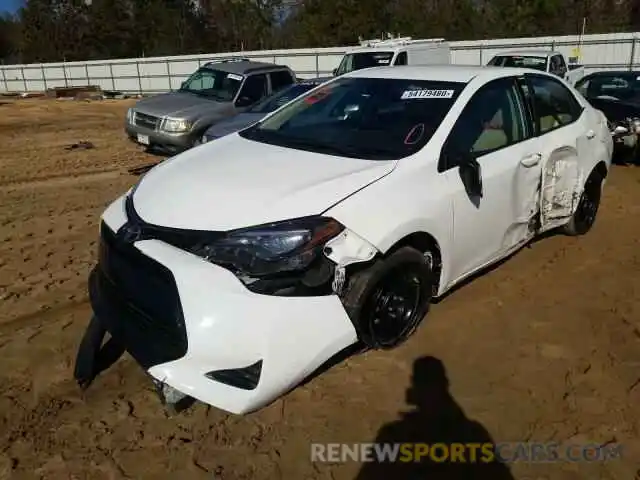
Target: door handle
<point x="591" y="134"/>
<point x="531" y="160"/>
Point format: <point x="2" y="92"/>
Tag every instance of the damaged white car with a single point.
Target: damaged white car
<point x="232" y="271"/>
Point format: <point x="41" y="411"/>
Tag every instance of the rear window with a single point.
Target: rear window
<point x="537" y="63"/>
<point x="368" y="118"/>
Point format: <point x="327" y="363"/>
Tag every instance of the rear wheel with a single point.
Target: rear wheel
<point x="387" y="301"/>
<point x="585" y="215"/>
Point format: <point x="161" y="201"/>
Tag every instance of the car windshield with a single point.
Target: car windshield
<point x="360" y="60"/>
<point x="281" y="97"/>
<point x="537" y="63"/>
<point x="216" y="84"/>
<point x="368" y="118"/>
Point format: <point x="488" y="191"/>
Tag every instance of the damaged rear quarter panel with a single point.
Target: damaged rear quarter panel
<point x="562" y="183"/>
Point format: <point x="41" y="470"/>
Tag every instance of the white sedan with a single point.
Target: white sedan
<point x="231" y="272"/>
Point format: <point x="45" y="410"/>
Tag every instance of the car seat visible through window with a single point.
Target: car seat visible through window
<point x="491" y="119"/>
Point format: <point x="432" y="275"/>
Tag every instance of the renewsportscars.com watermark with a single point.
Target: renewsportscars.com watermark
<point x="508" y="452"/>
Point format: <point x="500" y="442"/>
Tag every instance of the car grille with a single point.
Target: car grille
<point x="147" y="121"/>
<point x="137" y="300"/>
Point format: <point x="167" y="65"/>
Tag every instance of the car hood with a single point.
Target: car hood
<point x="233" y="124"/>
<point x="233" y="183"/>
<point x="180" y="105"/>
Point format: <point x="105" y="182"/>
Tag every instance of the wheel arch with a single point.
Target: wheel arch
<point x="601" y="169"/>
<point x="424" y="242"/>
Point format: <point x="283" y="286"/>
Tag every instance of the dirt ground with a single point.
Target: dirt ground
<point x="545" y="347"/>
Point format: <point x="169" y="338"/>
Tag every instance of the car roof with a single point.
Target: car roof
<point x="528" y="53"/>
<point x="441" y="73"/>
<point x="243" y="67"/>
<point x="313" y="81"/>
<point x="618" y="73"/>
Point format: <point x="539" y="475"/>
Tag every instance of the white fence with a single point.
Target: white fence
<point x="150" y="75"/>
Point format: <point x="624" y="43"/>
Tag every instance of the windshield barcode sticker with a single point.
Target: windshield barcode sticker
<point x="427" y="94"/>
<point x="233" y="76"/>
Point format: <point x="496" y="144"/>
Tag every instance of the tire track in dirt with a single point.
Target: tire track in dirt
<point x="40" y="317"/>
<point x="56" y="180"/>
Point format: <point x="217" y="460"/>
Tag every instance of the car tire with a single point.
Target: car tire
<point x="387" y="301"/>
<point x="584" y="217"/>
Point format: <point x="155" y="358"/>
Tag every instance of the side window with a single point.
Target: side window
<point x="583" y="87"/>
<point x="558" y="66"/>
<point x="280" y="80"/>
<point x="554" y="105"/>
<point x="617" y="87"/>
<point x="493" y="119"/>
<point x="254" y="89"/>
<point x="401" y="59"/>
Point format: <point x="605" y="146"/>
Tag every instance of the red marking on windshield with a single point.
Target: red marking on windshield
<point x="416" y="128"/>
<point x="316" y="97"/>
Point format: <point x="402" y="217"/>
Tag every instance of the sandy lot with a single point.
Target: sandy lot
<point x="546" y="347"/>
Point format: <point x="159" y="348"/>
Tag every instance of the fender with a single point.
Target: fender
<point x="393" y="215"/>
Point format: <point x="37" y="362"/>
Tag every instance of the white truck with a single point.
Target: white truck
<point x="395" y="51"/>
<point x="544" y="60"/>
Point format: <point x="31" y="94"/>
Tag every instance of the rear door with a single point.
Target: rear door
<point x="567" y="146"/>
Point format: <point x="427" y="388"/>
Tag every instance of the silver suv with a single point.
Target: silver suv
<point x="174" y="121"/>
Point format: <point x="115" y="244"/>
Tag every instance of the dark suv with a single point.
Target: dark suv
<point x="220" y="89"/>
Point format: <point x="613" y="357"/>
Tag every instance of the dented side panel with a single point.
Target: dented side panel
<point x="562" y="184"/>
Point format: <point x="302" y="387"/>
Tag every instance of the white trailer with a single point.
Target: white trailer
<point x="395" y="51"/>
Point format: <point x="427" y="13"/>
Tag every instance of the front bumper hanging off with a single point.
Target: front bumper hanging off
<point x="93" y="357"/>
<point x="199" y="332"/>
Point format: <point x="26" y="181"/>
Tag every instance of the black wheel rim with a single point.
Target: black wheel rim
<point x="394" y="305"/>
<point x="589" y="203"/>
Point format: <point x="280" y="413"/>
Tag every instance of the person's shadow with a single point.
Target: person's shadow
<point x="435" y="419"/>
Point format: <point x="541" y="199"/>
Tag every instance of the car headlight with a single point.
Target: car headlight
<point x="274" y="248"/>
<point x="131" y="115"/>
<point x="175" y="125"/>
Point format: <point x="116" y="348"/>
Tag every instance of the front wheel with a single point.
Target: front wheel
<point x="585" y="215"/>
<point x="387" y="301"/>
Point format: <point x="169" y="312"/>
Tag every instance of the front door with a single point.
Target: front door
<point x="254" y="89"/>
<point x="496" y="129"/>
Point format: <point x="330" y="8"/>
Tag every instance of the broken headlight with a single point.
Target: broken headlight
<point x="264" y="250"/>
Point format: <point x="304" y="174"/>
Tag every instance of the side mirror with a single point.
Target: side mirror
<point x="470" y="173"/>
<point x="183" y="84"/>
<point x="335" y="72"/>
<point x="620" y="130"/>
<point x="244" y="102"/>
